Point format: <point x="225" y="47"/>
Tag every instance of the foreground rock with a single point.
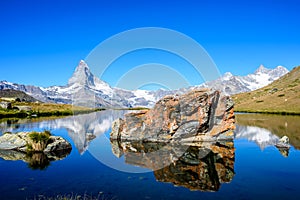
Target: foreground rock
<point x="202" y="166"/>
<point x="23" y="142"/>
<point x="200" y="115"/>
<point x="37" y="149"/>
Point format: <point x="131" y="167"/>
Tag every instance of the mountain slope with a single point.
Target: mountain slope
<point x="281" y="96"/>
<point x="230" y="84"/>
<point x="85" y="89"/>
<point x="10" y="93"/>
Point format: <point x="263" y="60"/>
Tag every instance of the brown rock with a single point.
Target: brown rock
<point x="200" y="115"/>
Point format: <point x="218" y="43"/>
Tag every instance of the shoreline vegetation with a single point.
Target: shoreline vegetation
<point x="280" y="112"/>
<point x="37" y="109"/>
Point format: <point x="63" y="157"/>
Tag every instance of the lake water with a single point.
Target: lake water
<point x="249" y="168"/>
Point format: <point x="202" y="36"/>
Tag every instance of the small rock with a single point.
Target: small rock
<point x="57" y="143"/>
<point x="5" y="105"/>
<point x="11" y="141"/>
<point x="283" y="142"/>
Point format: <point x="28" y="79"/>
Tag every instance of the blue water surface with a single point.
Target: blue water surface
<point x="259" y="173"/>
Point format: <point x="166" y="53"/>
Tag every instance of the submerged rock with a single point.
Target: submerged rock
<point x="200" y="115"/>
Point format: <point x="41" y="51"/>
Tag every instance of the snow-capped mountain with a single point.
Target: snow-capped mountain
<point x="85" y="89"/>
<point x="231" y="84"/>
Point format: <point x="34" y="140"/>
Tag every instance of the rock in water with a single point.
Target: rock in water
<point x="283" y="143"/>
<point x="284" y="140"/>
<point x="20" y="142"/>
<point x="38" y="155"/>
<point x="199" y="115"/>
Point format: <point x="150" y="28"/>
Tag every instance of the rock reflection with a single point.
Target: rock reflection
<point x="35" y="160"/>
<point x="202" y="166"/>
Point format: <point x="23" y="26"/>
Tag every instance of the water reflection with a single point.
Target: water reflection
<point x="261" y="136"/>
<point x="202" y="166"/>
<point x="265" y="130"/>
<point x="276" y="126"/>
<point x="35" y="160"/>
<point x="81" y="128"/>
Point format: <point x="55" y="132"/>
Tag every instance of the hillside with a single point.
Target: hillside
<point x="282" y="96"/>
<point x="22" y="96"/>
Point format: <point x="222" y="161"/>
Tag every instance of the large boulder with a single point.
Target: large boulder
<point x="200" y="115"/>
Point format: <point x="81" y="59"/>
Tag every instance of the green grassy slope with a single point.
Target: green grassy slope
<point x="44" y="109"/>
<point x="282" y="96"/>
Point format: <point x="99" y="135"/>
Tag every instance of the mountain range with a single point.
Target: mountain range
<point x="85" y="89"/>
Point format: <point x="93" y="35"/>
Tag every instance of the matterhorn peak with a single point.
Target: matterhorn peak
<point x="82" y="75"/>
<point x="82" y="66"/>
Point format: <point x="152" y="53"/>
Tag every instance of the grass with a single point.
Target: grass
<point x="280" y="97"/>
<point x="38" y="141"/>
<point x="40" y="137"/>
<point x="44" y="110"/>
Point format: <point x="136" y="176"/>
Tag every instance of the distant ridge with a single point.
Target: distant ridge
<point x="281" y="96"/>
<point x="231" y="84"/>
<point x="10" y="93"/>
<point x="85" y="89"/>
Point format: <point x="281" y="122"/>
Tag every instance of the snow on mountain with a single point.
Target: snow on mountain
<point x="85" y="89"/>
<point x="231" y="84"/>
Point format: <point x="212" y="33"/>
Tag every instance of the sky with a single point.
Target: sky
<point x="42" y="41"/>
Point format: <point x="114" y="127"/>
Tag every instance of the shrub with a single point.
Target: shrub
<point x="40" y="137"/>
<point x="39" y="141"/>
<point x="259" y="101"/>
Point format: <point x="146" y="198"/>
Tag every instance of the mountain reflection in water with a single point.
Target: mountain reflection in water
<point x="202" y="167"/>
<point x="81" y="128"/>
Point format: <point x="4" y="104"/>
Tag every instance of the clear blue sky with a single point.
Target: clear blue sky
<point x="42" y="41"/>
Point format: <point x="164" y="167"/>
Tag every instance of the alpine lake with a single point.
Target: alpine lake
<point x="250" y="167"/>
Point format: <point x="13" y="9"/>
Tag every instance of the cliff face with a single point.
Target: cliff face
<point x="200" y="115"/>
